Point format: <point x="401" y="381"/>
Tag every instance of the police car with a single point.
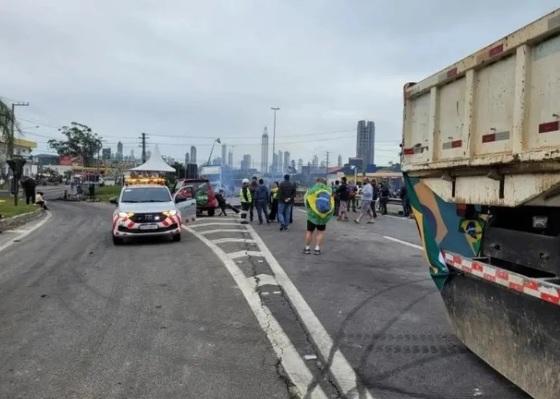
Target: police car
<point x="149" y="210"/>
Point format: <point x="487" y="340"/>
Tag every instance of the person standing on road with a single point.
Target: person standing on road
<point x="319" y="202"/>
<point x="273" y="202"/>
<point x="253" y="187"/>
<point x="405" y="201"/>
<point x="374" y="197"/>
<point x="367" y="198"/>
<point x="286" y="194"/>
<point x="343" y="196"/>
<point x="383" y="198"/>
<point x="246" y="200"/>
<point x="28" y="185"/>
<point x="352" y="192"/>
<point x="336" y="197"/>
<point x="261" y="199"/>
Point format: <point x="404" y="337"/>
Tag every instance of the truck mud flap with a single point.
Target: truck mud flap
<point x="516" y="334"/>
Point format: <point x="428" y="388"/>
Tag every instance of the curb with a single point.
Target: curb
<point x="18" y="220"/>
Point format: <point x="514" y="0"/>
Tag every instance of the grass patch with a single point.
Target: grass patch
<point x="7" y="208"/>
<point x="105" y="193"/>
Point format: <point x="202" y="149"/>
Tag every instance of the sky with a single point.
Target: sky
<point x="188" y="72"/>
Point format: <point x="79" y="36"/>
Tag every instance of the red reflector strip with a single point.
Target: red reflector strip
<point x="456" y="143"/>
<point x="452" y="73"/>
<point x="549" y="127"/>
<point x="408" y="151"/>
<point x="488" y="138"/>
<point x="496" y="50"/>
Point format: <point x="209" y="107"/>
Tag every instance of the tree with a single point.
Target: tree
<point x="6" y="125"/>
<point x="179" y="169"/>
<point x="80" y="141"/>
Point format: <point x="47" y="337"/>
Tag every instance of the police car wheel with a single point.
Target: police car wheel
<point x="177" y="237"/>
<point x="117" y="240"/>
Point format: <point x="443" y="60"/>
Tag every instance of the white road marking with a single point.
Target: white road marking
<point x="399" y="218"/>
<point x="409" y="244"/>
<point x="25" y="233"/>
<point x="226" y="240"/>
<point x="224" y="231"/>
<point x="215" y="224"/>
<point x="341" y="370"/>
<point x="241" y="254"/>
<point x="264" y="279"/>
<point x="292" y="363"/>
<point x="17" y="231"/>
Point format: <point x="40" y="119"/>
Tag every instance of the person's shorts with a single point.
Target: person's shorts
<point x="312" y="226"/>
<point x="343" y="204"/>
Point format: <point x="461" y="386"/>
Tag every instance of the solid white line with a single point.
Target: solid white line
<point x="215" y="224"/>
<point x="241" y="254"/>
<point x="292" y="363"/>
<point x="404" y="242"/>
<point x="344" y="374"/>
<point x="224" y="231"/>
<point x="225" y="240"/>
<point x="26" y="232"/>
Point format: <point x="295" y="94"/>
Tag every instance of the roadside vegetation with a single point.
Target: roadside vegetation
<point x="7" y="208"/>
<point x="105" y="193"/>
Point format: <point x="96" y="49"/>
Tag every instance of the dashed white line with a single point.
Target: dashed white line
<point x="223" y="231"/>
<point x="241" y="254"/>
<point x="232" y="223"/>
<point x="227" y="240"/>
<point x="409" y="244"/>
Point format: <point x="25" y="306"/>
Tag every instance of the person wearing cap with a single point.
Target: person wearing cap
<point x="286" y="195"/>
<point x="246" y="200"/>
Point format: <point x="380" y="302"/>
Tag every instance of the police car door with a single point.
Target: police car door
<point x="186" y="204"/>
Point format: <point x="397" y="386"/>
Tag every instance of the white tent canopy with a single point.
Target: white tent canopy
<point x="154" y="164"/>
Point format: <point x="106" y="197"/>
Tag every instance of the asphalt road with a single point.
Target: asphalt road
<point x="82" y="318"/>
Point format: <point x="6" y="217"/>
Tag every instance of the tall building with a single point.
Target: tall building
<point x="315" y="162"/>
<point x="230" y="159"/>
<point x="299" y="165"/>
<point x="365" y="141"/>
<point x="339" y="163"/>
<point x="132" y="156"/>
<point x="187" y="158"/>
<point x="106" y="154"/>
<point x="264" y="152"/>
<point x="279" y="159"/>
<point x="224" y="154"/>
<point x="193" y="154"/>
<point x="246" y="162"/>
<point x="293" y="166"/>
<point x="119" y="155"/>
<point x="286" y="161"/>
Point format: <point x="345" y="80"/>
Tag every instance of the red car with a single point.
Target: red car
<point x="204" y="194"/>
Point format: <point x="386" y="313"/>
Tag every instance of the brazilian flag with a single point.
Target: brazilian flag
<point x="319" y="202"/>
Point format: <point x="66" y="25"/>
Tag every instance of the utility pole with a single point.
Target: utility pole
<point x="11" y="136"/>
<point x="143" y="147"/>
<point x="275" y="109"/>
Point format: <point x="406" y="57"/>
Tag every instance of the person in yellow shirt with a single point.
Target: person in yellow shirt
<point x="246" y="200"/>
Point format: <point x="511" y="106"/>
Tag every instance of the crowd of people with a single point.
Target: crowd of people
<point x="322" y="202"/>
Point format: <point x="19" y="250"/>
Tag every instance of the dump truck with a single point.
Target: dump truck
<point x="481" y="161"/>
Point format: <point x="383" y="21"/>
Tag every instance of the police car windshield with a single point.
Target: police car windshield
<point x="146" y="194"/>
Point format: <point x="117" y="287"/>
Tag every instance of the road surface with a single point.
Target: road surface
<point x="201" y="319"/>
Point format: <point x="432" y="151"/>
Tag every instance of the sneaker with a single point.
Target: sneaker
<point x="356" y="221"/>
<point x="307" y="251"/>
<point x="281" y="228"/>
<point x="316" y="252"/>
<point x="371" y="222"/>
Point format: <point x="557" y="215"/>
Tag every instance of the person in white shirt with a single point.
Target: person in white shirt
<point x="367" y="197"/>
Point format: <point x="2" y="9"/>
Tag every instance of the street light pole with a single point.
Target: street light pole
<point x="275" y="109"/>
<point x="212" y="150"/>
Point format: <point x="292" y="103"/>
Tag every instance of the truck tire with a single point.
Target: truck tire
<point x="211" y="212"/>
<point x="117" y="240"/>
<point x="177" y="237"/>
